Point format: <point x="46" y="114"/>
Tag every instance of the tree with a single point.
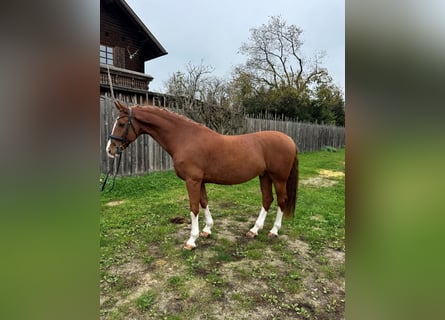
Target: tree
<point x="276" y="78"/>
<point x="205" y="98"/>
<point x="188" y="88"/>
<point x="274" y="58"/>
<point x="328" y="106"/>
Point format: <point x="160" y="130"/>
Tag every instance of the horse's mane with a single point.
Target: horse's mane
<point x="170" y="113"/>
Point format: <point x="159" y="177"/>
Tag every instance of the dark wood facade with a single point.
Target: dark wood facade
<point x="125" y="44"/>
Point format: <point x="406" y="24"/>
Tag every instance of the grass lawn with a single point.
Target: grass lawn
<point x="145" y="273"/>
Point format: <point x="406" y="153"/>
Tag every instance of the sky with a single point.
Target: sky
<point x="212" y="32"/>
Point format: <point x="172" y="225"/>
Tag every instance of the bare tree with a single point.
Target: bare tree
<point x="205" y="98"/>
<point x="188" y="88"/>
<point x="274" y="57"/>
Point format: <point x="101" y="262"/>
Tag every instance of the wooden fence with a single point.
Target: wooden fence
<point x="145" y="155"/>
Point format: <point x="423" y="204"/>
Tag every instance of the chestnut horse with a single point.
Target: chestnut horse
<point x="202" y="156"/>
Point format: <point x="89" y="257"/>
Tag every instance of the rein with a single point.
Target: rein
<point x="114" y="174"/>
<point x="124" y="142"/>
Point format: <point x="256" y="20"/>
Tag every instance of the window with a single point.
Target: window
<point x="106" y="55"/>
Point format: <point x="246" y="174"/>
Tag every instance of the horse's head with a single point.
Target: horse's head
<point x="124" y="131"/>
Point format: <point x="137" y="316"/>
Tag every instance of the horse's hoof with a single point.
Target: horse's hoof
<point x="205" y="234"/>
<point x="272" y="235"/>
<point x="188" y="247"/>
<point x="250" y="234"/>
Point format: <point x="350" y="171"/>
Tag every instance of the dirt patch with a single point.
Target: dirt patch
<point x="318" y="182"/>
<point x="330" y="173"/>
<point x="114" y="203"/>
<point x="226" y="205"/>
<point x="231" y="277"/>
<point x="179" y="220"/>
<point x="227" y="229"/>
<point x="326" y="178"/>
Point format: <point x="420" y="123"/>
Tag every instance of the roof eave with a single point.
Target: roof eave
<point x="130" y="11"/>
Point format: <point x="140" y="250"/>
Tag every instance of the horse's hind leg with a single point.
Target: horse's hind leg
<point x="280" y="189"/>
<point x="205" y="205"/>
<point x="266" y="192"/>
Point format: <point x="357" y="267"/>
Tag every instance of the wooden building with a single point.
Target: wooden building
<point x="125" y="45"/>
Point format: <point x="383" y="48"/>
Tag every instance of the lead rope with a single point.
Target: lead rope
<point x="119" y="161"/>
<point x="111" y="82"/>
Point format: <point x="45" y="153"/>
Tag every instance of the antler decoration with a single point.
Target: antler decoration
<point x="131" y="55"/>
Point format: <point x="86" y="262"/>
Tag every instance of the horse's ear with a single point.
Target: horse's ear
<point x="119" y="105"/>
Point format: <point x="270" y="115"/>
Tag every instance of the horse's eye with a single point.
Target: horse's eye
<point x="121" y="124"/>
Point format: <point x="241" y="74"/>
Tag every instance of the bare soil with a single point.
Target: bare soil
<point x="324" y="179"/>
<point x="230" y="277"/>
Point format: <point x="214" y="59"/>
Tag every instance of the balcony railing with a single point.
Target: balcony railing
<point x="123" y="79"/>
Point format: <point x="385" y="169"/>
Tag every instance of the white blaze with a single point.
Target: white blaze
<point x="107" y="148"/>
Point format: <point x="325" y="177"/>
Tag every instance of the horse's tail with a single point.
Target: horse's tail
<point x="291" y="190"/>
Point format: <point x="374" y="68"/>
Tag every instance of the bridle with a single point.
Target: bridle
<point x="123" y="139"/>
<point x="124" y="143"/>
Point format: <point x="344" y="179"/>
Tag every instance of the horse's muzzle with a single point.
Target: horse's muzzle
<point x="113" y="150"/>
<point x="115" y="154"/>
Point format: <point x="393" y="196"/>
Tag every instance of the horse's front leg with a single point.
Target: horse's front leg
<point x="207" y="231"/>
<point x="193" y="189"/>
